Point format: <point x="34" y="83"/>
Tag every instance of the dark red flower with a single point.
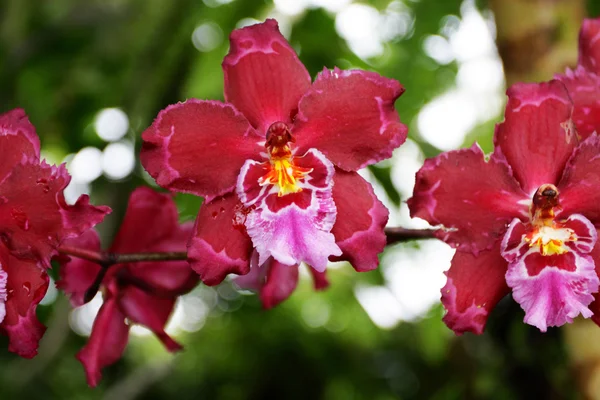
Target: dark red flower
<point x="583" y="83"/>
<point x="140" y="293"/>
<point x="277" y="163"/>
<point x="524" y="219"/>
<point x="34" y="220"/>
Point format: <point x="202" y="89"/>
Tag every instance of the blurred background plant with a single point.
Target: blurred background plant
<point x="93" y="74"/>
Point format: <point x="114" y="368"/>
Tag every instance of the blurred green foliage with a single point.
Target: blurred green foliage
<point x="64" y="60"/>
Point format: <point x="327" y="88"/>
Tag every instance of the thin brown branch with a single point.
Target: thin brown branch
<point x="397" y="235"/>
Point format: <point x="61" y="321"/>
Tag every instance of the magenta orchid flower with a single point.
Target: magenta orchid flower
<point x="34" y="220"/>
<point x="523" y="220"/>
<point x="143" y="292"/>
<point x="583" y="83"/>
<point x="277" y="162"/>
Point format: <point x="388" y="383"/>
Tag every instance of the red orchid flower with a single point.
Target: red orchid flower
<point x="34" y="220"/>
<point x="583" y="83"/>
<point x="143" y="292"/>
<point x="523" y="220"/>
<point x="277" y="162"/>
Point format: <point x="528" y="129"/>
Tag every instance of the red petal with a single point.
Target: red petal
<point x="107" y="342"/>
<point x="173" y="277"/>
<point x="199" y="147"/>
<point x="221" y="245"/>
<point x="361" y="217"/>
<point x="151" y="311"/>
<point x="151" y="217"/>
<point x="350" y="117"/>
<point x="537" y="136"/>
<point x="320" y="281"/>
<point x="77" y="274"/>
<point x="579" y="188"/>
<point x="264" y="78"/>
<point x="475" y="285"/>
<point x="584" y="89"/>
<point x="34" y="216"/>
<point x="589" y="45"/>
<point x="472" y="198"/>
<point x="18" y="140"/>
<point x="280" y="284"/>
<point x="27" y="284"/>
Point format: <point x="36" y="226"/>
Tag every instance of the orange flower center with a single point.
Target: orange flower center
<point x="281" y="170"/>
<point x="547" y="233"/>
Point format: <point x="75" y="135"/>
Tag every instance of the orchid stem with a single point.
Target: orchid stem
<point x="106" y="259"/>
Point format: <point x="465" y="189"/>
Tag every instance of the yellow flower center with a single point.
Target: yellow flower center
<point x="284" y="174"/>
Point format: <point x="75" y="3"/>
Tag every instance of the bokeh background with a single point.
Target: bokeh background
<point x="92" y="75"/>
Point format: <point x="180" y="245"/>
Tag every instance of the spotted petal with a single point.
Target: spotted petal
<point x="350" y="117"/>
<point x="589" y="45"/>
<point x="295" y="227"/>
<point x="220" y="244"/>
<point x="475" y="285"/>
<point x="552" y="289"/>
<point x="18" y="141"/>
<point x="537" y="136"/>
<point x="473" y="199"/>
<point x="26" y="286"/>
<point x="264" y="78"/>
<point x="34" y="215"/>
<point x="358" y="229"/>
<point x="198" y="147"/>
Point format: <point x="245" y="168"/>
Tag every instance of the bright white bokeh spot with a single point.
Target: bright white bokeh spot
<point x="86" y="165"/>
<point x="473" y="38"/>
<point x="396" y="22"/>
<point x="111" y="124"/>
<point x="481" y="75"/>
<point x="118" y="160"/>
<point x="74" y="190"/>
<point x="406" y="161"/>
<point x="359" y="25"/>
<point x="291" y="7"/>
<point x="82" y="318"/>
<point x="366" y="30"/>
<point x="207" y="36"/>
<point x="380" y="305"/>
<point x="414" y="277"/>
<point x="51" y="293"/>
<point x="438" y="48"/>
<point x="446" y="120"/>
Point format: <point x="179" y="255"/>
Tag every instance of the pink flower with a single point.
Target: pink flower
<point x="34" y="220"/>
<point x="522" y="220"/>
<point x="583" y="83"/>
<point x="142" y="292"/>
<point x="277" y="162"/>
